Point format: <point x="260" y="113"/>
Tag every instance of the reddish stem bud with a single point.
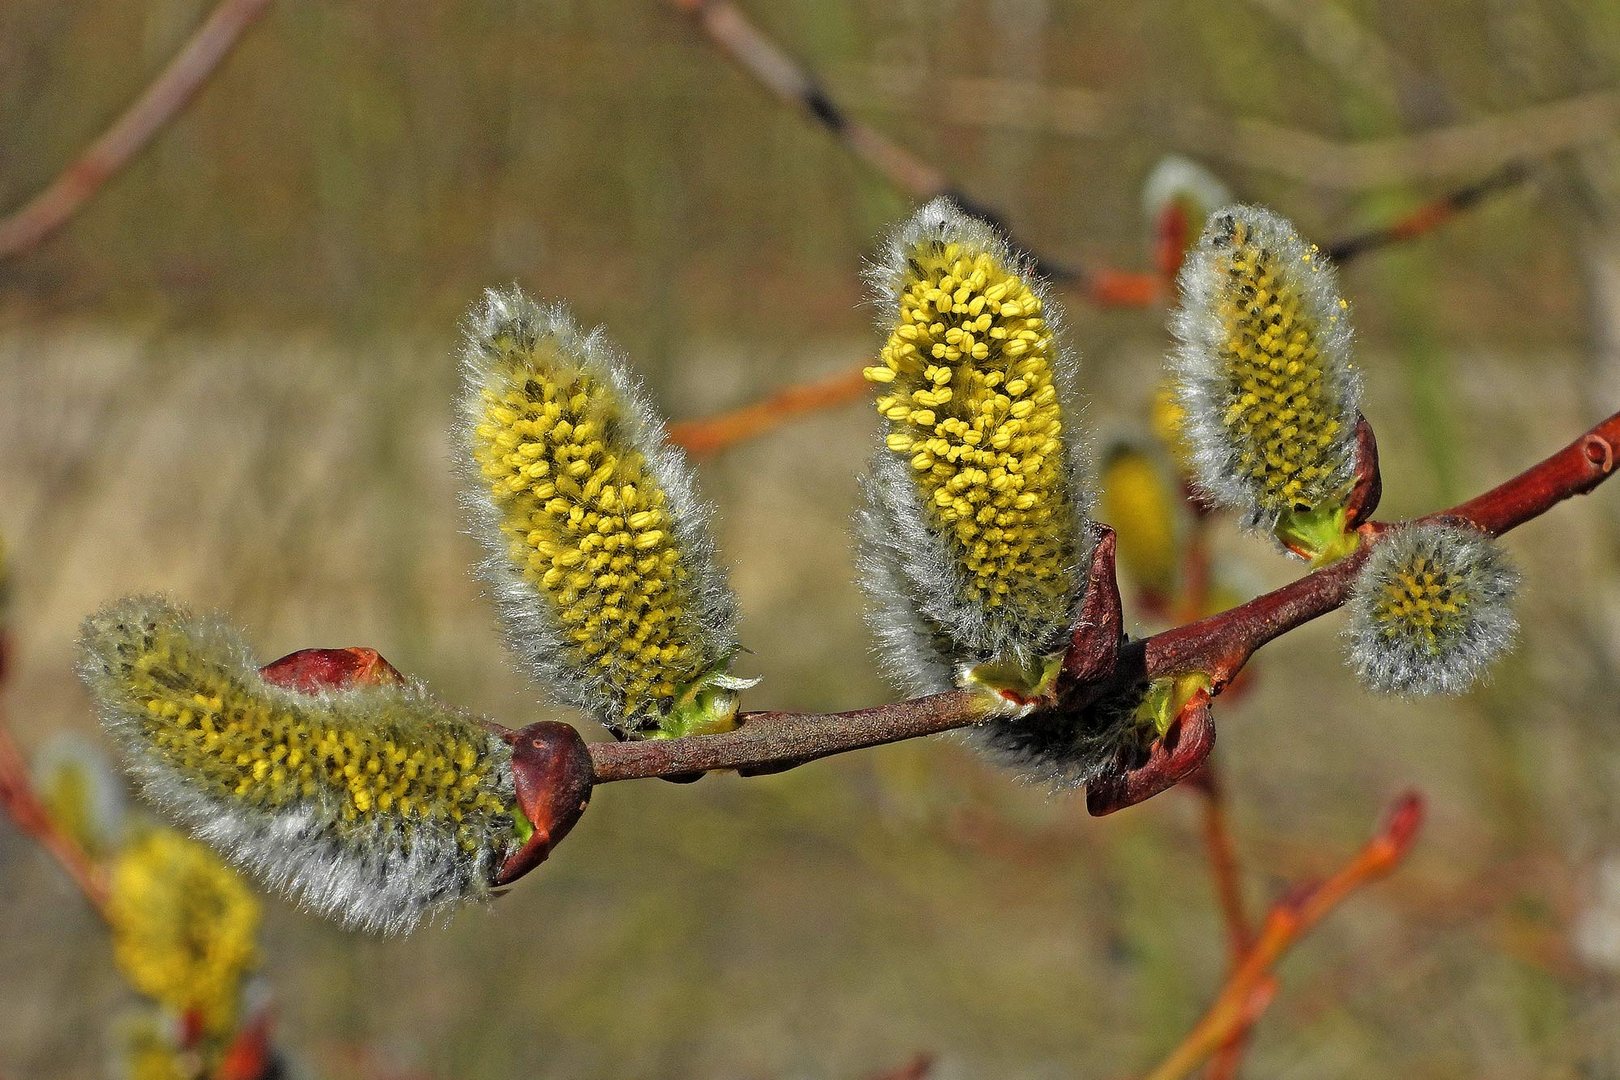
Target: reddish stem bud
<point x="1094" y="649"/>
<point x="1400" y="827"/>
<point x="309" y="671"/>
<point x="552" y="777"/>
<point x="1171" y="759"/>
<point x="1171" y="234"/>
<point x="1369" y="484"/>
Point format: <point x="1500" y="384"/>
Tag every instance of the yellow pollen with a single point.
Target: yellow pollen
<point x="1422" y="602"/>
<point x="591" y="532"/>
<point x="183" y="927"/>
<point x="966" y="386"/>
<point x="1279" y="409"/>
<point x="235" y="738"/>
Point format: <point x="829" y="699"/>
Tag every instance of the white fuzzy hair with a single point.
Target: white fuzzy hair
<point x="385" y="876"/>
<point x="1203" y="385"/>
<point x="528" y="623"/>
<point x="1396" y="663"/>
<point x="927" y="633"/>
<point x="914" y="584"/>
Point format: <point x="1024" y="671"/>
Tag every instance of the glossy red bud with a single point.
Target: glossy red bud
<point x="552" y="778"/>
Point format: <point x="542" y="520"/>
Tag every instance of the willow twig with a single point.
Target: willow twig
<point x="1249" y="988"/>
<point x="1470" y="147"/>
<point x="22" y="804"/>
<point x="167" y="96"/>
<point x="1218" y="646"/>
<point x="734" y="34"/>
<point x="711" y="434"/>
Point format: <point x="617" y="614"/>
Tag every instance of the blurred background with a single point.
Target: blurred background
<point x="230" y="379"/>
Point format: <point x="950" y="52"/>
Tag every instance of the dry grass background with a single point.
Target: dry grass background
<point x="230" y="380"/>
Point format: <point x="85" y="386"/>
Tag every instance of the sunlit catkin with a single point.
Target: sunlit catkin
<point x="184" y="928"/>
<point x="374" y="804"/>
<point x="1431" y="610"/>
<point x="1265" y="376"/>
<point x="598" y="549"/>
<point x="974" y="527"/>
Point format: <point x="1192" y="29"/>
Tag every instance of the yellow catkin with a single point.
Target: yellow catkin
<point x="1168" y="420"/>
<point x="1422" y="601"/>
<point x="967" y="392"/>
<point x="589" y="527"/>
<point x="1142" y="509"/>
<point x="184" y="927"/>
<point x="234" y="738"/>
<point x="1280" y="412"/>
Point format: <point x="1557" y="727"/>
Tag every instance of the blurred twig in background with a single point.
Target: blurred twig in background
<point x="22" y="804"/>
<point x="168" y="95"/>
<point x="1250" y="987"/>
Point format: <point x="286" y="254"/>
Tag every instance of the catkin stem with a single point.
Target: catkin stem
<point x="1219" y="645"/>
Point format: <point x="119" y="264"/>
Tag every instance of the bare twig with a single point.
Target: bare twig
<point x="167" y="96"/>
<point x="1454" y="151"/>
<point x="1223" y="860"/>
<point x="1429" y="216"/>
<point x="751" y="49"/>
<point x="711" y="434"/>
<point x="1218" y="646"/>
<point x="1250" y="987"/>
<point x="22" y="804"/>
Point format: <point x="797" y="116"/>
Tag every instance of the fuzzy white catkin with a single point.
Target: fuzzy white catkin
<point x="162" y="679"/>
<point x="516" y="350"/>
<point x="974" y="531"/>
<point x="929" y="621"/>
<point x="1270" y="430"/>
<point x="1431" y="610"/>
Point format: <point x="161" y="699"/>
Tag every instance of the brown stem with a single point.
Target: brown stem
<point x="1223" y="859"/>
<point x="1248" y="989"/>
<point x="751" y="49"/>
<point x="1428" y="216"/>
<point x="167" y="96"/>
<point x="1219" y="645"/>
<point x="22" y="804"/>
<point x="765" y="739"/>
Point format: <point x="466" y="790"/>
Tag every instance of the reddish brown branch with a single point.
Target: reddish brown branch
<point x="1249" y="988"/>
<point x="1223" y="860"/>
<point x="22" y="804"/>
<point x="769" y="739"/>
<point x="1428" y="216"/>
<point x="167" y="96"/>
<point x="1218" y="646"/>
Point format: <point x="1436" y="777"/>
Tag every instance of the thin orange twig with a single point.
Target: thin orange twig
<point x="1223" y="861"/>
<point x="1250" y="987"/>
<point x="167" y="96"/>
<point x="711" y="434"/>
